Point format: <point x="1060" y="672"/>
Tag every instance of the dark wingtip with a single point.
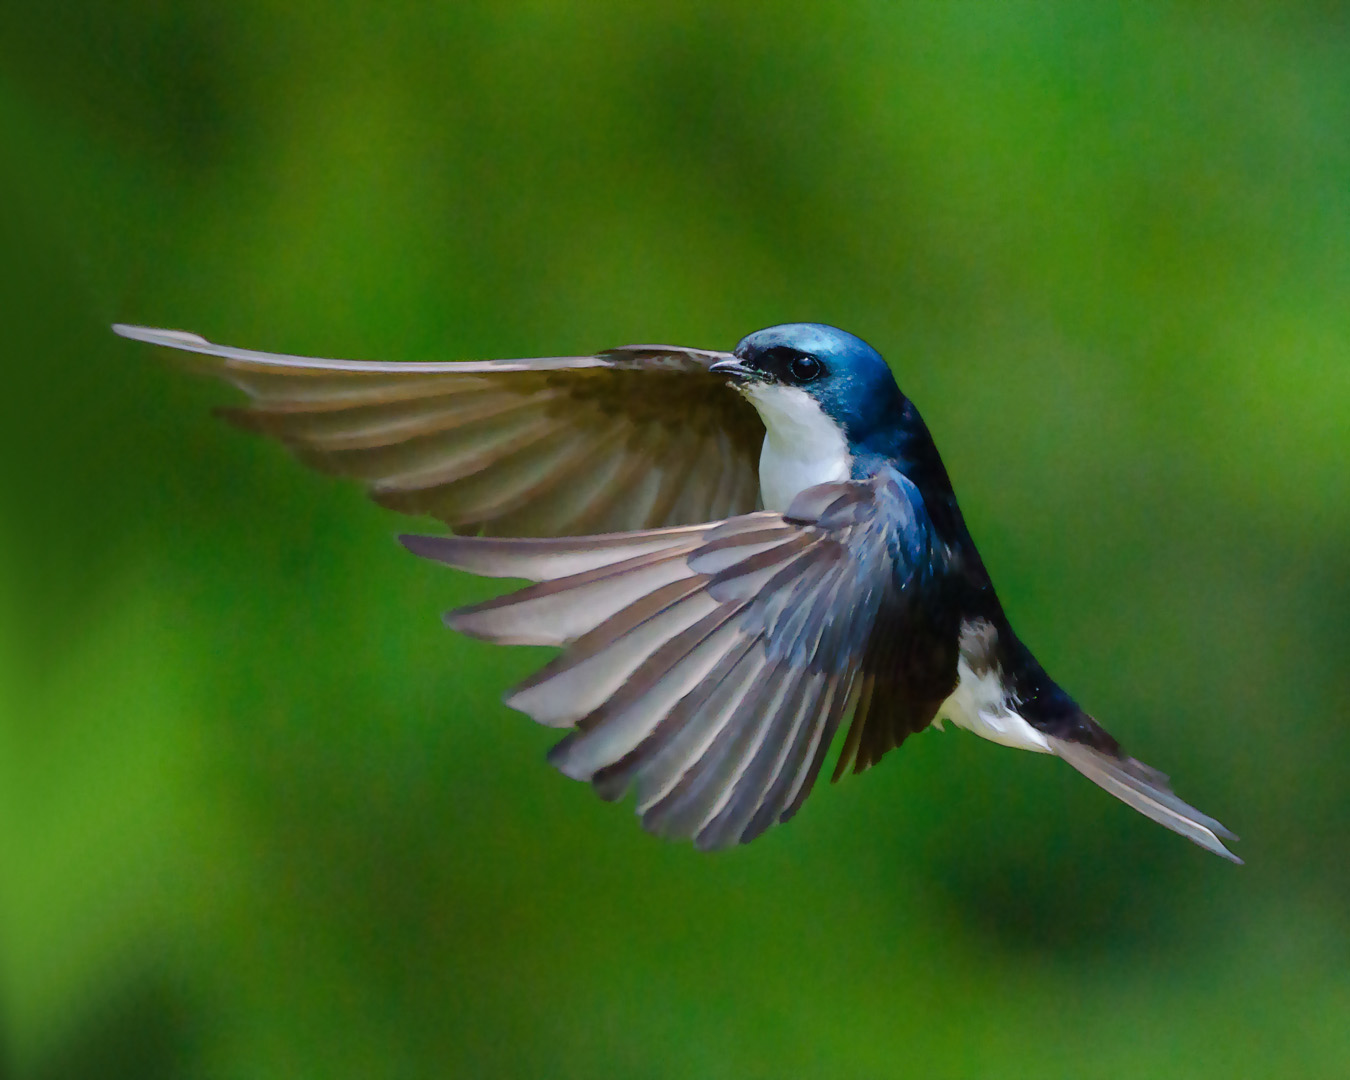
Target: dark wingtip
<point x="413" y="542"/>
<point x="439" y="548"/>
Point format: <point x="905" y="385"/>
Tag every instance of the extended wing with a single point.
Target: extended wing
<point x="634" y="438"/>
<point x="709" y="667"/>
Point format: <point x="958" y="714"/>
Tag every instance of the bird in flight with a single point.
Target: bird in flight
<point x="737" y="552"/>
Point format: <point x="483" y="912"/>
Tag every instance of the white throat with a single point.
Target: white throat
<point x="802" y="446"/>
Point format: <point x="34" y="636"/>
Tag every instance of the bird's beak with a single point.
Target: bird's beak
<point x="733" y="369"/>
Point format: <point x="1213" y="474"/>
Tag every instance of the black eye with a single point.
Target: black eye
<point x="805" y="368"/>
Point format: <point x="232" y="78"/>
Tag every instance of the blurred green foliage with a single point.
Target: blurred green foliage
<point x="264" y="817"/>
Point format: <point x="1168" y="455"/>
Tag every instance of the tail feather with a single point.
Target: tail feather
<point x="1147" y="790"/>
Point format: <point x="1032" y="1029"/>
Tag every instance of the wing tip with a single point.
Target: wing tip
<point x="426" y="547"/>
<point x="471" y="553"/>
<point x="173" y="339"/>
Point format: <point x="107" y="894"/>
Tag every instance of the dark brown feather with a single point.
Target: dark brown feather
<point x="645" y="435"/>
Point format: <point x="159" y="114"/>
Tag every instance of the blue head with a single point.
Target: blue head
<point x="842" y="374"/>
<point x="831" y="410"/>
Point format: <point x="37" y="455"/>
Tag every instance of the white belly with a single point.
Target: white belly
<point x="982" y="702"/>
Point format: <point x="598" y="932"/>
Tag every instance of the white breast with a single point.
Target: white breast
<point x="802" y="446"/>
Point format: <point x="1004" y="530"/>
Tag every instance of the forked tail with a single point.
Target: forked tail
<point x="1147" y="790"/>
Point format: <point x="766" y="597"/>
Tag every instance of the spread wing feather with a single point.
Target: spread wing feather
<point x="711" y="652"/>
<point x="634" y="438"/>
<point x="705" y="668"/>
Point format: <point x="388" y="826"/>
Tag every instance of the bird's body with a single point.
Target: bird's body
<point x="732" y="576"/>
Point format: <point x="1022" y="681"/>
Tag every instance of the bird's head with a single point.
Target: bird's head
<point x="790" y="368"/>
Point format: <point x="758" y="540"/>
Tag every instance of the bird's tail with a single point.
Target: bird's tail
<point x="1147" y="790"/>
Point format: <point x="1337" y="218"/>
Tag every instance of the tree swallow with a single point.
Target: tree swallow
<point x="737" y="552"/>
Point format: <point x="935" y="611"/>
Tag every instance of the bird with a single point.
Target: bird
<point x="740" y="554"/>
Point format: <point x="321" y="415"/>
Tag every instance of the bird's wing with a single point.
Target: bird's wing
<point x="707" y="667"/>
<point x="634" y="438"/>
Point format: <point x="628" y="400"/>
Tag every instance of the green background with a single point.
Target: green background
<point x="265" y="817"/>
